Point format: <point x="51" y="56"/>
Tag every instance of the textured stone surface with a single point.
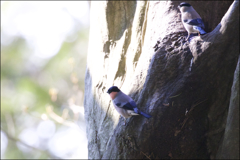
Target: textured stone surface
<point x="121" y="53"/>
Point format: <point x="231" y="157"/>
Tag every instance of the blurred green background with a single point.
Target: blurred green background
<point x="43" y="59"/>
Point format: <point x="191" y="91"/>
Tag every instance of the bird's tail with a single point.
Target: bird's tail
<point x="144" y="114"/>
<point x="200" y="29"/>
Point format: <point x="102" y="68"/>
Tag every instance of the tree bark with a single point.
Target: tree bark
<point x="197" y="122"/>
<point x="229" y="148"/>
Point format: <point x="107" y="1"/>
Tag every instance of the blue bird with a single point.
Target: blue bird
<point x="191" y="20"/>
<point x="124" y="104"/>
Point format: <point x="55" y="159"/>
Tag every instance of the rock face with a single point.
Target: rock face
<point x="194" y="77"/>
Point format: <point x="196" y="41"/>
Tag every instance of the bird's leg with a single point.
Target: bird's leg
<point x="198" y="33"/>
<point x="188" y="36"/>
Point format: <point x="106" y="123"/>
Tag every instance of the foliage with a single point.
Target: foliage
<point x="44" y="90"/>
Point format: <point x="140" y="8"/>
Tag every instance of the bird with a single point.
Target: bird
<point x="191" y="20"/>
<point x="124" y="104"/>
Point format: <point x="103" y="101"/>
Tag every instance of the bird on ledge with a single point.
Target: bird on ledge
<point x="191" y="20"/>
<point x="124" y="104"/>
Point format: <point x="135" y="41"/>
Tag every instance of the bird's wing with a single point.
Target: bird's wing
<point x="129" y="106"/>
<point x="201" y="31"/>
<point x="195" y="22"/>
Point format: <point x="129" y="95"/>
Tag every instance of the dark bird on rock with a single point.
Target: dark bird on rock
<point x="124" y="104"/>
<point x="191" y="20"/>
